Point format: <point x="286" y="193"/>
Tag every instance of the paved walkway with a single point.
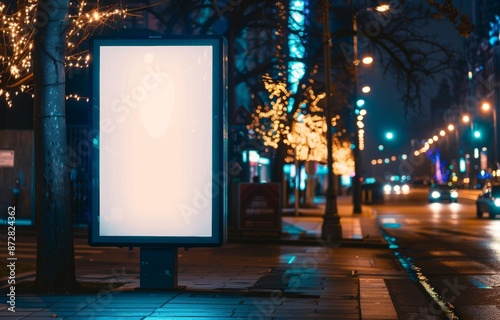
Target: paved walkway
<point x="295" y="276"/>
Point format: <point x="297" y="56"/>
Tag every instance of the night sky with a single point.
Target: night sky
<point x="386" y="112"/>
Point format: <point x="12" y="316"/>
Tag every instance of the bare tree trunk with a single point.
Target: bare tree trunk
<point x="55" y="268"/>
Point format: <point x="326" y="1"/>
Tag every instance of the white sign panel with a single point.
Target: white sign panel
<point x="159" y="109"/>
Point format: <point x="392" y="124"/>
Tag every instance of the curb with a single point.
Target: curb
<point x="312" y="242"/>
<point x="420" y="281"/>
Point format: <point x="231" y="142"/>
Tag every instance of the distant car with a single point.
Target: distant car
<point x="396" y="188"/>
<point x="488" y="201"/>
<point x="443" y="193"/>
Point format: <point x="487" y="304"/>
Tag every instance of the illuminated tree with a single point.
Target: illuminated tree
<point x="308" y="138"/>
<point x="271" y="122"/>
<point x="343" y="159"/>
<point x="303" y="132"/>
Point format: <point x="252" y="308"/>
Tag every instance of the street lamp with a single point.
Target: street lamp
<point x="382" y="8"/>
<point x="367" y="60"/>
<point x="356" y="182"/>
<point x="461" y="161"/>
<point x="331" y="228"/>
<point x="486" y="107"/>
<point x="454" y="129"/>
<point x="467" y="120"/>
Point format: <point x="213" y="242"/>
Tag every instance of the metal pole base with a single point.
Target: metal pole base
<point x="159" y="269"/>
<point x="331" y="229"/>
<point x="357" y="208"/>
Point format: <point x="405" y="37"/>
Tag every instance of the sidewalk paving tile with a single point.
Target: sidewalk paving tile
<point x="375" y="300"/>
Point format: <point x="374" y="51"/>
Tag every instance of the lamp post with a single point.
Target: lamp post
<point x="495" y="136"/>
<point x="356" y="182"/>
<point x="445" y="150"/>
<point x="486" y="107"/>
<point x="451" y="128"/>
<point x="475" y="135"/>
<point x="455" y="151"/>
<point x="331" y="228"/>
<point x="495" y="142"/>
<point x="469" y="172"/>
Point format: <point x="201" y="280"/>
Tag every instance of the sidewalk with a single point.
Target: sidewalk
<point x="304" y="226"/>
<point x="295" y="276"/>
<point x="360" y="228"/>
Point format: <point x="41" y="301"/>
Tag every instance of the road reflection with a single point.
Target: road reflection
<point x="493" y="230"/>
<point x="441" y="210"/>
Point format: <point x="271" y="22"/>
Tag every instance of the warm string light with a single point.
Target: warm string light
<point x="77" y="97"/>
<point x="270" y="121"/>
<point x="308" y="137"/>
<point x="343" y="158"/>
<point x="18" y="30"/>
<point x="281" y="40"/>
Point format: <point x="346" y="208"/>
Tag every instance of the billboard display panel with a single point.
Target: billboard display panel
<point x="158" y="160"/>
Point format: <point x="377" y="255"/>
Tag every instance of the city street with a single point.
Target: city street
<point x="456" y="252"/>
<point x="442" y="263"/>
<point x="243" y="159"/>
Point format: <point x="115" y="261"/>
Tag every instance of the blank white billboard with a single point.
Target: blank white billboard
<point x="159" y="108"/>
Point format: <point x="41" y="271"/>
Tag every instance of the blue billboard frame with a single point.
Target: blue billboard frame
<point x="218" y="233"/>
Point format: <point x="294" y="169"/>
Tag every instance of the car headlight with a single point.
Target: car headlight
<point x="397" y="189"/>
<point x="387" y="188"/>
<point x="497" y="202"/>
<point x="454" y="194"/>
<point x="405" y="189"/>
<point x="435" y="194"/>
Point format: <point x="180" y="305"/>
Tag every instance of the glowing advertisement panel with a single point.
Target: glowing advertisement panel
<point x="158" y="160"/>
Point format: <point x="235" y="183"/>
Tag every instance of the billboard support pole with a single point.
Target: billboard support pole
<point x="159" y="268"/>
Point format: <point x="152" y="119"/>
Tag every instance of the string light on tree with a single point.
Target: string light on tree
<point x="17" y="35"/>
